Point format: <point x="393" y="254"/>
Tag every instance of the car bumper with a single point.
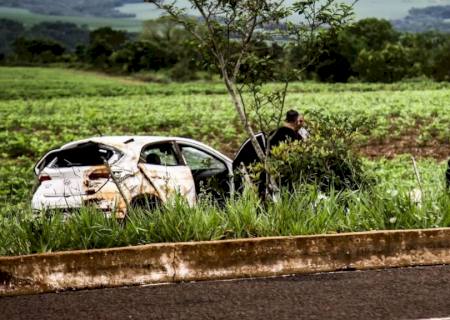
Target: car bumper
<point x="40" y="203"/>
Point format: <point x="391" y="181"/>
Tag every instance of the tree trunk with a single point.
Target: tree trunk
<point x="231" y="87"/>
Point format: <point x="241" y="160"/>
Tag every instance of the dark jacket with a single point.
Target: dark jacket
<point x="283" y="134"/>
<point x="447" y="175"/>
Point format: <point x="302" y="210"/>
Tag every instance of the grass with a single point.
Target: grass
<point x="305" y="211"/>
<point x="26" y="83"/>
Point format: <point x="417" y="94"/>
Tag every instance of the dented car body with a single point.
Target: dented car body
<point x="117" y="172"/>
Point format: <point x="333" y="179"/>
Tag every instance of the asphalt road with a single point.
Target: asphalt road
<point x="410" y="293"/>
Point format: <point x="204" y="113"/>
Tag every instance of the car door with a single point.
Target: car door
<point x="246" y="156"/>
<point x="166" y="171"/>
<point x="210" y="173"/>
<point x="247" y="153"/>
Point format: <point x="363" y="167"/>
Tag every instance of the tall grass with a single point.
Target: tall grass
<point x="391" y="204"/>
<point x="305" y="211"/>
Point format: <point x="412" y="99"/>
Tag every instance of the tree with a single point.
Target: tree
<point x="176" y="45"/>
<point x="37" y="50"/>
<point x="336" y="61"/>
<point x="225" y="31"/>
<point x="114" y="38"/>
<point x="68" y="34"/>
<point x="393" y="63"/>
<point x="10" y="30"/>
<point x="427" y="48"/>
<point x="372" y="33"/>
<point x="440" y="70"/>
<point x="332" y="64"/>
<point x="138" y="55"/>
<point x="102" y="43"/>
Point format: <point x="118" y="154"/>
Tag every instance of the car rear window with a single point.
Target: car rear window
<point x="86" y="154"/>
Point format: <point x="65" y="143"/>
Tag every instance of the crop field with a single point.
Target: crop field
<point x="42" y="109"/>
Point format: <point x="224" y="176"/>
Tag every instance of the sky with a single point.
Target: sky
<point x="387" y="9"/>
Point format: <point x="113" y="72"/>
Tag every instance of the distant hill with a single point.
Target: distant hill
<point x="425" y="19"/>
<point x="405" y="15"/>
<point x="98" y="8"/>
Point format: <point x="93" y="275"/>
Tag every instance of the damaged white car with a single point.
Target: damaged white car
<point x="119" y="172"/>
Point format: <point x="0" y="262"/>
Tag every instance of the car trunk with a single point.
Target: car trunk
<point x="75" y="171"/>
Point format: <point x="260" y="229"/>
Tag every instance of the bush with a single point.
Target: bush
<point x="328" y="158"/>
<point x="440" y="68"/>
<point x="392" y="63"/>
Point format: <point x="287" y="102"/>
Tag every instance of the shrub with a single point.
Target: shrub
<point x="328" y="158"/>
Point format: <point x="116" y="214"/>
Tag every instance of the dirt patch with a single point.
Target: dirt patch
<point x="406" y="144"/>
<point x="229" y="149"/>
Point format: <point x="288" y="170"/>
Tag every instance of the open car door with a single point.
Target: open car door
<point x="210" y="173"/>
<point x="246" y="156"/>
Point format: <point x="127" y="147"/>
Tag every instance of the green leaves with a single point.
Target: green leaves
<point x="328" y="158"/>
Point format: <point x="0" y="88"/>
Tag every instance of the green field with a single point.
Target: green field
<point x="44" y="108"/>
<point x="30" y="18"/>
<point x="48" y="107"/>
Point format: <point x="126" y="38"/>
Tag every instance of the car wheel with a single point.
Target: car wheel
<point x="145" y="203"/>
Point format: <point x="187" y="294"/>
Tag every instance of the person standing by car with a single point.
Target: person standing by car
<point x="290" y="131"/>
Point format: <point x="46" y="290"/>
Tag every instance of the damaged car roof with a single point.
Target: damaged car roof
<point x="135" y="143"/>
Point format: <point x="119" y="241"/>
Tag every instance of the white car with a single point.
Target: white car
<point x="118" y="172"/>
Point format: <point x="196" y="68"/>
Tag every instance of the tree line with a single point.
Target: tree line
<point x="369" y="50"/>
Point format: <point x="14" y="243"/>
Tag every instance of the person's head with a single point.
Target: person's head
<point x="294" y="119"/>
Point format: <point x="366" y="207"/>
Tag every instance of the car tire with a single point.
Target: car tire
<point x="145" y="202"/>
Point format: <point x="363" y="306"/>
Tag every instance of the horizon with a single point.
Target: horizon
<point x="386" y="9"/>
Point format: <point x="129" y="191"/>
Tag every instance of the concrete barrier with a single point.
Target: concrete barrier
<point x="214" y="260"/>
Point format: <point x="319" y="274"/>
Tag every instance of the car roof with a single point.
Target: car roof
<point x="120" y="141"/>
<point x="135" y="143"/>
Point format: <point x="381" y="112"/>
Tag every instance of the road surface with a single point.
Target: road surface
<point x="408" y="293"/>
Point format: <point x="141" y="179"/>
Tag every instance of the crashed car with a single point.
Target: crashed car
<point x="118" y="172"/>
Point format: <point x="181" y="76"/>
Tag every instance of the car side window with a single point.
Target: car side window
<point x="197" y="159"/>
<point x="159" y="154"/>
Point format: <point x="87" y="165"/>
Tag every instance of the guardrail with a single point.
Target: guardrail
<point x="227" y="259"/>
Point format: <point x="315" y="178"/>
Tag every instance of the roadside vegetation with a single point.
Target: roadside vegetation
<point x="391" y="204"/>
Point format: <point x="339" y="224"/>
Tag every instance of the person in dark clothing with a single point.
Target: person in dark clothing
<point x="289" y="132"/>
<point x="247" y="154"/>
<point x="447" y="175"/>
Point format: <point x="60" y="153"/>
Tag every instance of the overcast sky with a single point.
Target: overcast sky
<point x="388" y="9"/>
